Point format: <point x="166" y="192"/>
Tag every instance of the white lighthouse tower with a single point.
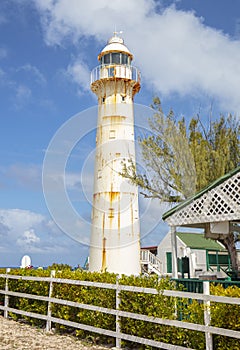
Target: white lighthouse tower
<point x="115" y="236"/>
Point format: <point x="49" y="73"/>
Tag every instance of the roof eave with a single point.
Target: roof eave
<point x="200" y="193"/>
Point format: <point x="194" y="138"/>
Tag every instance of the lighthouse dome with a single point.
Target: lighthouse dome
<point x="115" y="45"/>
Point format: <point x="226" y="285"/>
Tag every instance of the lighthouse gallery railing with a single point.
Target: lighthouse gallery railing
<point x="115" y="71"/>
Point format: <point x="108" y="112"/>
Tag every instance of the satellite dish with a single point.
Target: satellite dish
<point x="26" y="262"/>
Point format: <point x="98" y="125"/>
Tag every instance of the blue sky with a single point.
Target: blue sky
<point x="188" y="53"/>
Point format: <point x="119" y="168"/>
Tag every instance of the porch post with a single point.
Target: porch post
<point x="174" y="252"/>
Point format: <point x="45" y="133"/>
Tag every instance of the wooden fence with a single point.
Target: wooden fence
<point x="206" y="298"/>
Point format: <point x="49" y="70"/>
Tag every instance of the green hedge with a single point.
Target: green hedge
<point x="29" y="287"/>
<point x="225" y="316"/>
<point x="152" y="305"/>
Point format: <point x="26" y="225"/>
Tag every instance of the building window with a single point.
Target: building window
<point x="106" y="59"/>
<point x="112" y="134"/>
<point x="169" y="262"/>
<point x="124" y="58"/>
<point x="103" y="99"/>
<point x="116" y="57"/>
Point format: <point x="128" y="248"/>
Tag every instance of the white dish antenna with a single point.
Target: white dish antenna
<point x="26" y="261"/>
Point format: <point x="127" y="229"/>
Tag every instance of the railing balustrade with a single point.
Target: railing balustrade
<point x="115" y="71"/>
<point x="146" y="257"/>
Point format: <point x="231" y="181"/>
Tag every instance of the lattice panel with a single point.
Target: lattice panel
<point x="221" y="203"/>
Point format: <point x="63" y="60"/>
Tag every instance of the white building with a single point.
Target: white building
<point x="195" y="255"/>
<point x="115" y="235"/>
<point x="216" y="211"/>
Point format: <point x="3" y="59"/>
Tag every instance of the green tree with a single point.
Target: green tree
<point x="181" y="159"/>
<point x="56" y="266"/>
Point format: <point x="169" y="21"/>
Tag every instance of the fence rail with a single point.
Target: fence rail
<point x="205" y="298"/>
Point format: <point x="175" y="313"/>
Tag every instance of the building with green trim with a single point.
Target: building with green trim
<point x="215" y="210"/>
<point x="195" y="255"/>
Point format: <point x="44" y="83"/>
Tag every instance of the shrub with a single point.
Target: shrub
<point x="225" y="316"/>
<point x="157" y="305"/>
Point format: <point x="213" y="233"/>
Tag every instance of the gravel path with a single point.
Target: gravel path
<point x="14" y="335"/>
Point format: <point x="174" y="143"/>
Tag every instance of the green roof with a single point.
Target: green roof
<point x="198" y="241"/>
<point x="200" y="193"/>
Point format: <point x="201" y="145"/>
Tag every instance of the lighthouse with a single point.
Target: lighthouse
<point x="115" y="228"/>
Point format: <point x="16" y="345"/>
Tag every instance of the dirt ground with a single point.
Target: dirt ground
<point x="15" y="335"/>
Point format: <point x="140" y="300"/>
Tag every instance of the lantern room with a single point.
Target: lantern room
<point x="115" y="63"/>
<point x="115" y="52"/>
<point x="115" y="58"/>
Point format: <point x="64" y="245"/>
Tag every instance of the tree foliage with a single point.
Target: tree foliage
<point x="57" y="267"/>
<point x="182" y="158"/>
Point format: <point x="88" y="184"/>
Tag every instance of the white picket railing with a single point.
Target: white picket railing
<point x="152" y="261"/>
<point x="206" y="298"/>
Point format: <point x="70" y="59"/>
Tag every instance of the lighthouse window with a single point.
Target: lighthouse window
<point x="112" y="134"/>
<point x="106" y="59"/>
<point x="116" y="57"/>
<point x="124" y="59"/>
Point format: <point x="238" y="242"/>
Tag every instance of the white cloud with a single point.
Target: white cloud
<point x="19" y="81"/>
<point x="5" y="81"/>
<point x="3" y="229"/>
<point x="20" y="93"/>
<point x="24" y="231"/>
<point x="191" y="58"/>
<point x="26" y="175"/>
<point x="80" y="74"/>
<point x="23" y="92"/>
<point x="176" y="51"/>
<point x="97" y="18"/>
<point x="18" y="220"/>
<point x="39" y="77"/>
<point x="28" y="239"/>
<point x="23" y="95"/>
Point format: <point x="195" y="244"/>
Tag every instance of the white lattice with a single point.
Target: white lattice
<point x="221" y="203"/>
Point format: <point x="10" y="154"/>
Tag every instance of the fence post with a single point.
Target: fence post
<point x="6" y="298"/>
<point x="207" y="316"/>
<point x="118" y="326"/>
<point x="49" y="310"/>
